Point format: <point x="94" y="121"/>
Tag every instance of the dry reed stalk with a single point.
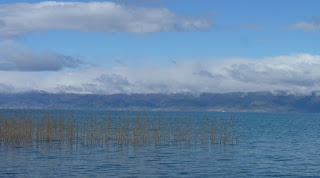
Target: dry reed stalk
<point x="108" y="131"/>
<point x="6" y="132"/>
<point x="232" y="131"/>
<point x="225" y="135"/>
<point x="168" y="133"/>
<point x="48" y="130"/>
<point x="21" y="128"/>
<point x="37" y="131"/>
<point x="61" y="129"/>
<point x="1" y="132"/>
<point x="71" y="131"/>
<point x="212" y="134"/>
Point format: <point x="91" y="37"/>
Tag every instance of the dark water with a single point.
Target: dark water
<point x="269" y="144"/>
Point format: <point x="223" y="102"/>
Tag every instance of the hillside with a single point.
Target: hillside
<point x="238" y="101"/>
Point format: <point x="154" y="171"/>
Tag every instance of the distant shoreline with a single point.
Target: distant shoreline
<point x="284" y="102"/>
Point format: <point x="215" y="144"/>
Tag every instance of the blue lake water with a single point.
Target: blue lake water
<point x="268" y="144"/>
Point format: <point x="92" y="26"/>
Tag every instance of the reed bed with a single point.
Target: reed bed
<point x="25" y="128"/>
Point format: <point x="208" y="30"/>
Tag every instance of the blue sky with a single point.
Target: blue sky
<point x="226" y="38"/>
<point x="231" y="32"/>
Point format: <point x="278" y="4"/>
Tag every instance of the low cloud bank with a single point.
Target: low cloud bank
<point x="297" y="72"/>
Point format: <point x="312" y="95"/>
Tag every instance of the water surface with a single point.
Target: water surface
<point x="269" y="144"/>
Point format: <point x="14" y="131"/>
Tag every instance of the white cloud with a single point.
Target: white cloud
<point x="106" y="17"/>
<point x="308" y="26"/>
<point x="298" y="72"/>
<point x="17" y="57"/>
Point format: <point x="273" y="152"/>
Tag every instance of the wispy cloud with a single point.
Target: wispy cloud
<point x="313" y="25"/>
<point x="106" y="17"/>
<point x="148" y="2"/>
<point x="297" y="72"/>
<point x="251" y="26"/>
<point x="16" y="57"/>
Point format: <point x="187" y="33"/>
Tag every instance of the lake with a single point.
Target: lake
<point x="256" y="145"/>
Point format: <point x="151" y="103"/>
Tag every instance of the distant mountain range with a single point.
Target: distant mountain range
<point x="280" y="101"/>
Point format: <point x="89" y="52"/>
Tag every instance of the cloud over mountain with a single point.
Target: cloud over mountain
<point x="297" y="72"/>
<point x="106" y="17"/>
<point x="5" y="88"/>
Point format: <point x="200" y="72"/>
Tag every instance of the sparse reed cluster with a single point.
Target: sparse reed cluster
<point x="138" y="130"/>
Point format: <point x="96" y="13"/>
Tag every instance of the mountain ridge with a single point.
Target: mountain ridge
<point x="261" y="101"/>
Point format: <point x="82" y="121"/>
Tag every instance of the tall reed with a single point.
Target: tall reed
<point x="122" y="130"/>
